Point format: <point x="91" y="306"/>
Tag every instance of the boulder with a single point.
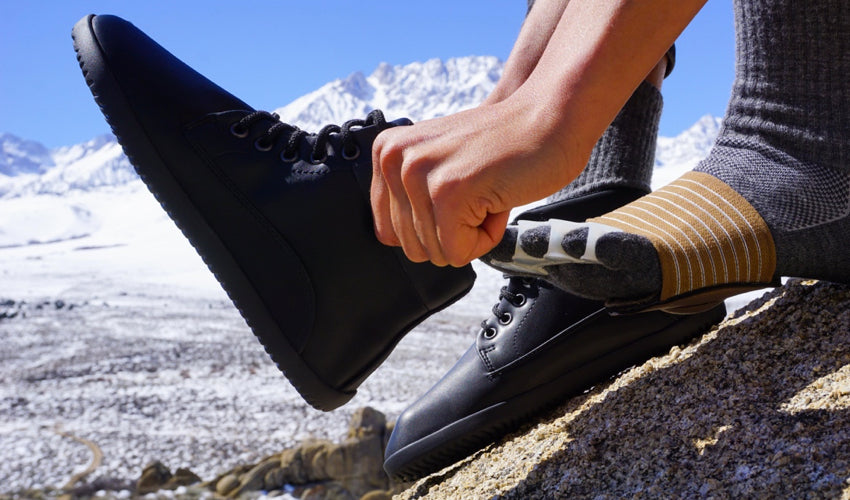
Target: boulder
<point x="756" y="407"/>
<point x="154" y="477"/>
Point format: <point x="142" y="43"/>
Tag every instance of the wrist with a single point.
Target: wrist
<point x="558" y="144"/>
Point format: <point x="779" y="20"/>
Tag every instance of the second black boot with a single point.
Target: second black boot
<point x="281" y="217"/>
<point x="539" y="346"/>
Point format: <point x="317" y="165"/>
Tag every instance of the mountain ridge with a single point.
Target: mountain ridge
<point x="419" y="91"/>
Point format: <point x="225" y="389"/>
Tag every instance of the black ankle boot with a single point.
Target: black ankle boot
<point x="540" y="346"/>
<point x="281" y="217"/>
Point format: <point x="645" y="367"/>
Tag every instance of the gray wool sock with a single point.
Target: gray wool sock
<point x="625" y="154"/>
<point x="785" y="143"/>
<point x="772" y="198"/>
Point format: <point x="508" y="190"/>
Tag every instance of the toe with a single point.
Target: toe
<point x="575" y="242"/>
<point x="535" y="242"/>
<point x="626" y="252"/>
<point x="504" y="251"/>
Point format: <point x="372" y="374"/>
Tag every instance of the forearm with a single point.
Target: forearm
<point x="443" y="188"/>
<point x="536" y="30"/>
<point x="597" y="55"/>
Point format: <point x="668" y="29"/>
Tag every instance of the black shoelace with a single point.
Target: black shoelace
<point x="516" y="299"/>
<point x="295" y="135"/>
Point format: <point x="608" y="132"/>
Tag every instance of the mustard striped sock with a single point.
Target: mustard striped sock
<point x="686" y="247"/>
<point x="705" y="234"/>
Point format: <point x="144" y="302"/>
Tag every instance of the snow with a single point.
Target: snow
<point x="30" y="221"/>
<point x="147" y="357"/>
<point x="417" y="91"/>
<point x="20" y="156"/>
<point x="677" y="155"/>
<point x="121" y="334"/>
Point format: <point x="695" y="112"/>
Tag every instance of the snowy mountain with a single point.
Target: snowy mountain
<point x="417" y="91"/>
<point x="21" y="156"/>
<point x="676" y="155"/>
<point x="689" y="146"/>
<point x="36" y="170"/>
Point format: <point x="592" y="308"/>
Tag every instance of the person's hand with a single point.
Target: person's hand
<point x="442" y="189"/>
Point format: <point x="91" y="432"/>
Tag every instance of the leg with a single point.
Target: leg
<point x="772" y="199"/>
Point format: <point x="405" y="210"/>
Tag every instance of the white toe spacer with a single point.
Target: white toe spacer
<point x="555" y="254"/>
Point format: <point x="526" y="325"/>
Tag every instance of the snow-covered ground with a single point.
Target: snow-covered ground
<point x="123" y="337"/>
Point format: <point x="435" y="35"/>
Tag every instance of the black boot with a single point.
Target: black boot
<point x="540" y="345"/>
<point x="281" y="217"/>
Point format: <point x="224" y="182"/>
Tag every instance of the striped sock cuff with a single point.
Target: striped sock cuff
<point x="705" y="233"/>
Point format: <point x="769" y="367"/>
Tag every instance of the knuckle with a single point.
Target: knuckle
<point x="445" y="192"/>
<point x="412" y="170"/>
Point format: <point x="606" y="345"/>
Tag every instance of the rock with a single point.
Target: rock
<point x="9" y="308"/>
<point x="349" y="469"/>
<point x="181" y="477"/>
<point x="226" y="484"/>
<point x="154" y="477"/>
<point x="358" y="462"/>
<point x="366" y="421"/>
<point x="274" y="479"/>
<point x="306" y="463"/>
<point x="378" y="495"/>
<point x="336" y="462"/>
<point x="388" y="430"/>
<point x="236" y="472"/>
<point x="254" y="479"/>
<point x="327" y="491"/>
<point x="734" y="414"/>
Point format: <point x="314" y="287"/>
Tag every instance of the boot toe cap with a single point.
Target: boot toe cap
<point x="150" y="74"/>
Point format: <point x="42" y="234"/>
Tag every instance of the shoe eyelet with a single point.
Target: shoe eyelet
<point x="292" y="158"/>
<point x="505" y="318"/>
<point x="351" y="156"/>
<point x="488" y="333"/>
<point x="520" y="300"/>
<point x="239" y="131"/>
<point x="262" y="145"/>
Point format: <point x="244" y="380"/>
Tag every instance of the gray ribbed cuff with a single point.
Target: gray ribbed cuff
<point x="791" y="87"/>
<point x="625" y="154"/>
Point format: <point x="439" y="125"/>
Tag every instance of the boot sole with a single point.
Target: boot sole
<point x="473" y="432"/>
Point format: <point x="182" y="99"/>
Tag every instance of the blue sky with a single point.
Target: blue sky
<point x="270" y="52"/>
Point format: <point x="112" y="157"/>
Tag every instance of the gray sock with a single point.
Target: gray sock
<point x="785" y="142"/>
<point x="625" y="154"/>
<point x="783" y="157"/>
